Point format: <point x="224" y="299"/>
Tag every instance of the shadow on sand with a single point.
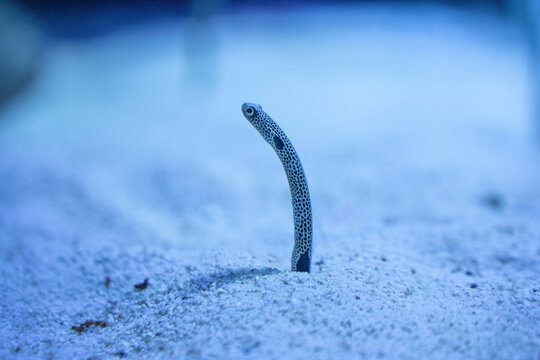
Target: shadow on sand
<point x="218" y="279"/>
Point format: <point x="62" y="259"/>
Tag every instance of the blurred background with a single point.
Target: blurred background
<point x="135" y="104"/>
<point x="200" y="31"/>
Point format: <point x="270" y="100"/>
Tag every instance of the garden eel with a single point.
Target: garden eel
<point x="301" y="203"/>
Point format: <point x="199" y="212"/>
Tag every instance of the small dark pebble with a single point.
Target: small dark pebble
<point x="493" y="201"/>
<point x="87" y="324"/>
<point x="357" y="297"/>
<point x="107" y="281"/>
<point x="413" y="271"/>
<point x="383" y="258"/>
<point x="390" y="220"/>
<point x="473" y="286"/>
<point x="535" y="290"/>
<point x="17" y="349"/>
<point x="505" y="259"/>
<point x="120" y="354"/>
<point x="142" y="285"/>
<point x="468" y="273"/>
<point x="320" y="262"/>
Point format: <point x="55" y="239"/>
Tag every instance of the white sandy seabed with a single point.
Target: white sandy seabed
<point x="414" y="132"/>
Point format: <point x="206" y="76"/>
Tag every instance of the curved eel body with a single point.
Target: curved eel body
<point x="301" y="202"/>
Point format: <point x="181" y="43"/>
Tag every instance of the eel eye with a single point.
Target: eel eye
<point x="250" y="111"/>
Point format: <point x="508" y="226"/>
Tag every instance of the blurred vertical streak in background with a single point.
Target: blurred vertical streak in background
<point x="20" y="49"/>
<point x="201" y="47"/>
<point x="527" y="14"/>
<point x="534" y="41"/>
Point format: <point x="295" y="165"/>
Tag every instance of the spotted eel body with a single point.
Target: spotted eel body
<point x="273" y="135"/>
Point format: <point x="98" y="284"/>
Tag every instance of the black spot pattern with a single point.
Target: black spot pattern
<point x="278" y="143"/>
<point x="301" y="202"/>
